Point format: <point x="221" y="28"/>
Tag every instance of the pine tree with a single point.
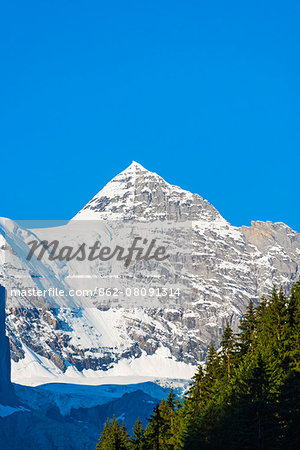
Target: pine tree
<point x="246" y="396"/>
<point x="292" y="328"/>
<point x="153" y="430"/>
<point x="247" y="327"/>
<point x="105" y="436"/>
<point x="289" y="412"/>
<point x="137" y="438"/>
<point x="211" y="373"/>
<point x="113" y="437"/>
<point x="196" y="389"/>
<point x="271" y="328"/>
<point x="228" y="346"/>
<point x="171" y="400"/>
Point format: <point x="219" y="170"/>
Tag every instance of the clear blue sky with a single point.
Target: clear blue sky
<point x="204" y="93"/>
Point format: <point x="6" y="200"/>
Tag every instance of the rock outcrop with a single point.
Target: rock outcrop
<point x="7" y="395"/>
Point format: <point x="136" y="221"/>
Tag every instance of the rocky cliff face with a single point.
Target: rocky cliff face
<point x="6" y="389"/>
<point x="218" y="267"/>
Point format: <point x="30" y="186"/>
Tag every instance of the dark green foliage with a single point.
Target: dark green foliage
<point x="113" y="437"/>
<point x="228" y="346"/>
<point x="154" y="430"/>
<point x="137" y="439"/>
<point x="247" y="327"/>
<point x="162" y="431"/>
<point x="246" y="397"/>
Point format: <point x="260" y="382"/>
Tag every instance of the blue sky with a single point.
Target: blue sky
<point x="204" y="93"/>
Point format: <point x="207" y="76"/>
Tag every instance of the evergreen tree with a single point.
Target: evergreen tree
<point x="228" y="346"/>
<point x="247" y="327"/>
<point x="246" y="396"/>
<point x="289" y="412"/>
<point x="195" y="390"/>
<point x="105" y="436"/>
<point x="113" y="437"/>
<point x="171" y="400"/>
<point x="211" y="374"/>
<point x="153" y="430"/>
<point x="137" y="438"/>
<point x="292" y="330"/>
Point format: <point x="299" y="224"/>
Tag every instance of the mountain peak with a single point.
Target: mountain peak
<point x="136" y="168"/>
<point x="132" y="169"/>
<point x="136" y="165"/>
<point x="137" y="193"/>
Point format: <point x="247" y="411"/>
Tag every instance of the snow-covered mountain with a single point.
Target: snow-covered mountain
<point x="70" y="416"/>
<point x="218" y="268"/>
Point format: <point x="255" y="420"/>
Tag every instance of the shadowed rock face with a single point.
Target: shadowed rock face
<point x="7" y="395"/>
<point x="71" y="417"/>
